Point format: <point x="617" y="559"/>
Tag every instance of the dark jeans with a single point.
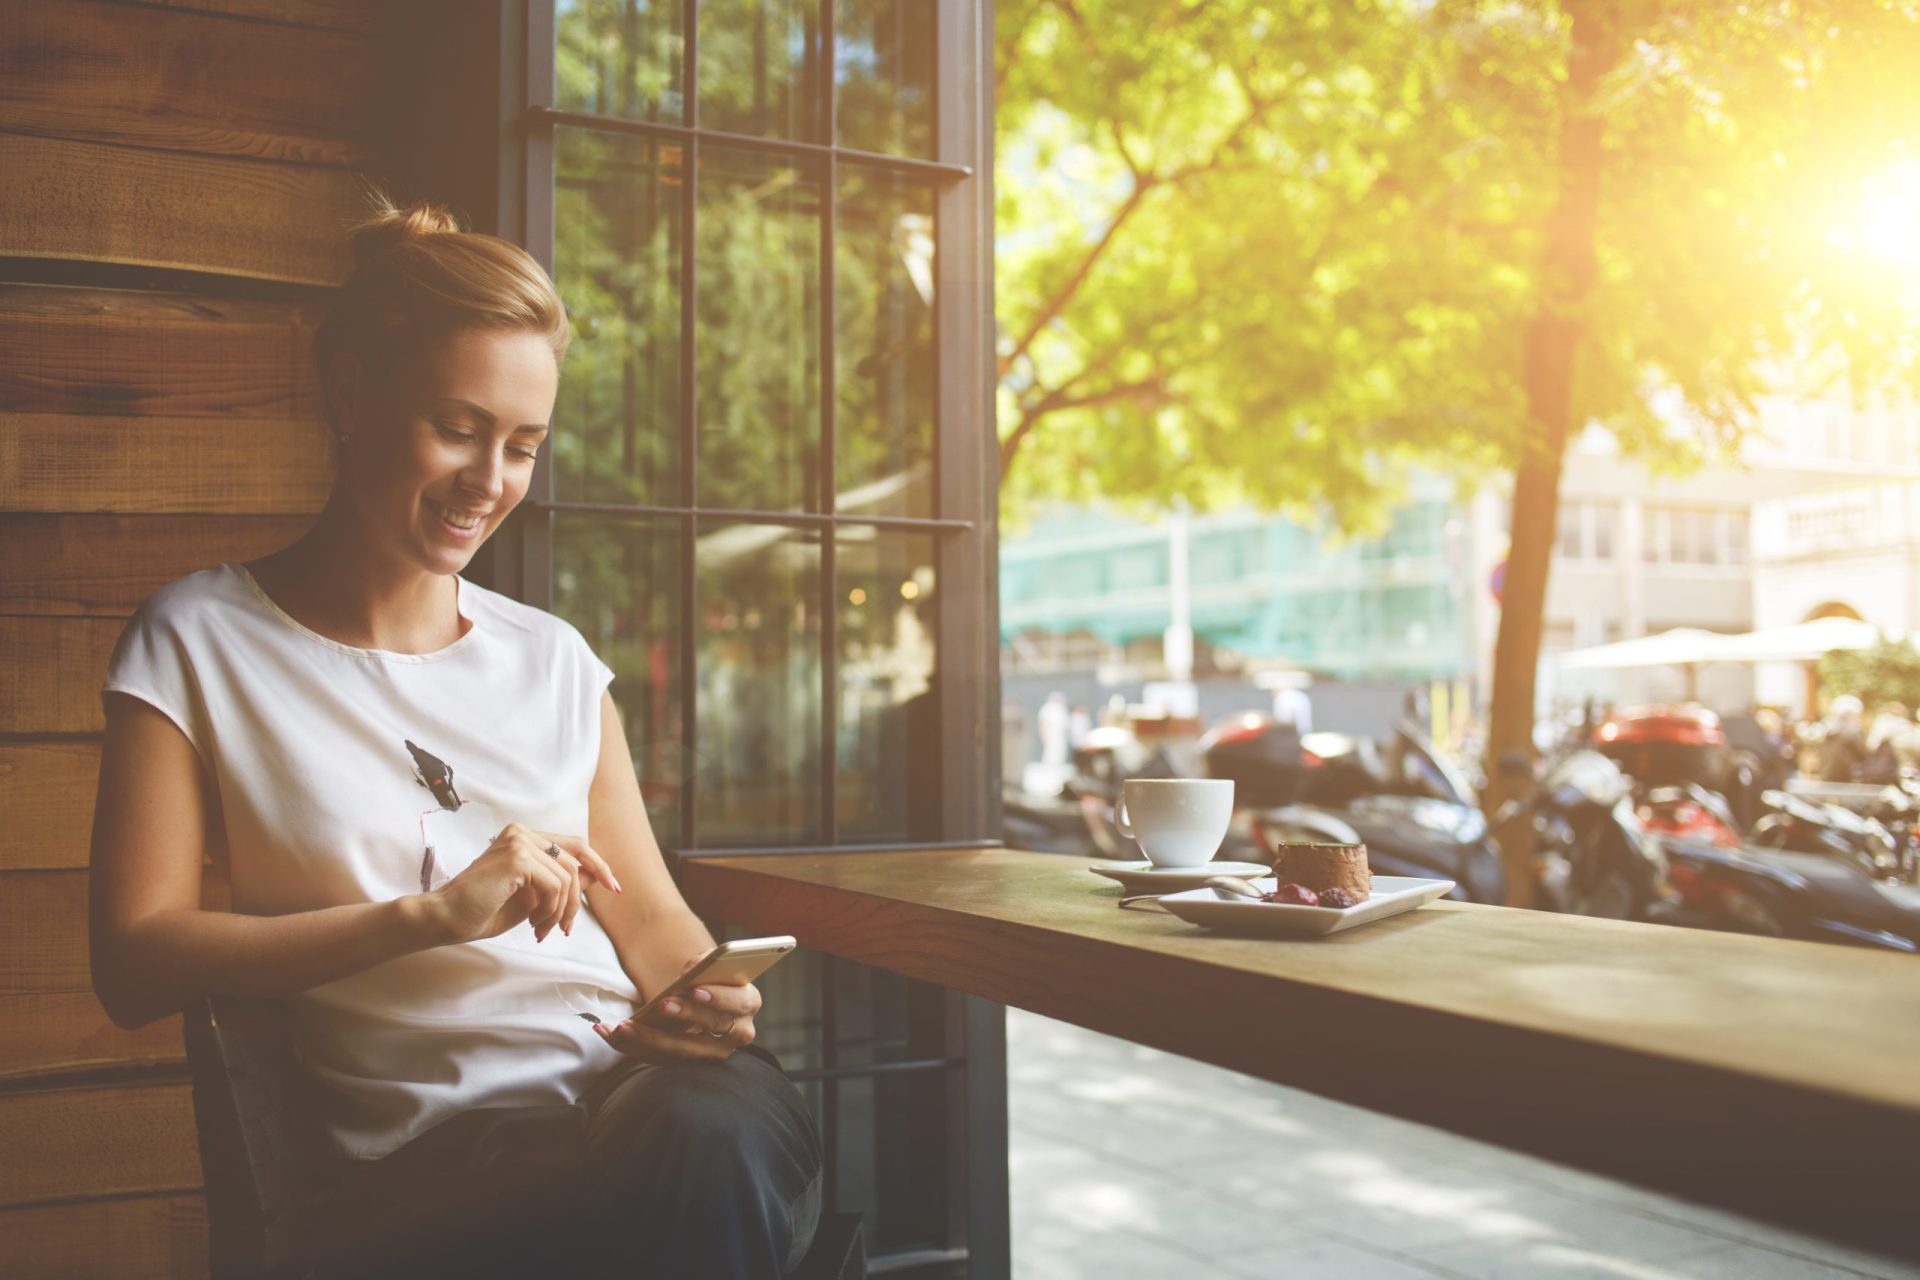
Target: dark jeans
<point x="707" y="1170"/>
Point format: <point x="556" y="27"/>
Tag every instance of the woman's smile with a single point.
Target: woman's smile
<point x="459" y="526"/>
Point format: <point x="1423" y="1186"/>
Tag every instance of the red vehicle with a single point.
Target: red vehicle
<point x="1667" y="746"/>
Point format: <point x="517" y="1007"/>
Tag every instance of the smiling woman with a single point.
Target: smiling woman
<point x="307" y="713"/>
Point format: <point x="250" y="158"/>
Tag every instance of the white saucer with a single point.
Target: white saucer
<point x="1391" y="896"/>
<point x="1144" y="877"/>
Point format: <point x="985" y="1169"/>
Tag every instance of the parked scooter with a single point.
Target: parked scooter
<point x="1046" y="824"/>
<point x="1721" y="883"/>
<point x="1800" y="825"/>
<point x="1592" y="855"/>
<point x="1414" y="812"/>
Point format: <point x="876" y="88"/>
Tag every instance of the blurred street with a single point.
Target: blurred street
<point x="1132" y="1163"/>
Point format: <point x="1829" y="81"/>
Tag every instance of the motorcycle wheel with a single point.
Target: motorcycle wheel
<point x="1750" y="913"/>
<point x="1605" y="892"/>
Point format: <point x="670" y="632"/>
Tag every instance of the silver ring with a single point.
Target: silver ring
<point x="554" y="850"/>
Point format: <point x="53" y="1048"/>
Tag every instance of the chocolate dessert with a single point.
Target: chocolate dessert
<point x="1322" y="867"/>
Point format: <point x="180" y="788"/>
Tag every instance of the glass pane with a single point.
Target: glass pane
<point x="891" y="1126"/>
<point x="888" y="757"/>
<point x="619" y="582"/>
<point x="1568" y="543"/>
<point x="788" y="1024"/>
<point x="883" y="66"/>
<point x="619" y="58"/>
<point x="617" y="248"/>
<point x="884" y="351"/>
<point x="759" y="694"/>
<point x="760" y="68"/>
<point x="758" y="332"/>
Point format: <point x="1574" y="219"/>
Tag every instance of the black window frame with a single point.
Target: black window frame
<point x="964" y="525"/>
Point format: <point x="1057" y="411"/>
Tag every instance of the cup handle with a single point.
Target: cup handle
<point x="1120" y="819"/>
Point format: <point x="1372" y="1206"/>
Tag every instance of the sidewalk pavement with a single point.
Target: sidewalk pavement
<point x="1129" y="1163"/>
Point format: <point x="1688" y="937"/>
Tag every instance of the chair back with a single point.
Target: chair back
<point x="262" y="1149"/>
<point x="261" y="1146"/>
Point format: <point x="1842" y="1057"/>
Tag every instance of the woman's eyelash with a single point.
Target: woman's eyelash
<point x="468" y="435"/>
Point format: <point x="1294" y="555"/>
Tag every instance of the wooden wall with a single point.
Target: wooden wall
<point x="177" y="177"/>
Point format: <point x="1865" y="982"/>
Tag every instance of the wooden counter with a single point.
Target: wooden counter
<point x="1776" y="1078"/>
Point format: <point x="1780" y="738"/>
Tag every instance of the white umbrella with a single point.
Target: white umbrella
<point x="1681" y="646"/>
<point x="1800" y="642"/>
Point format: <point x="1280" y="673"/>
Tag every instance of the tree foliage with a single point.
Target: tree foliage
<point x="1888" y="672"/>
<point x="1264" y="250"/>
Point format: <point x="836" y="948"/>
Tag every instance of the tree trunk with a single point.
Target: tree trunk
<point x="1552" y="343"/>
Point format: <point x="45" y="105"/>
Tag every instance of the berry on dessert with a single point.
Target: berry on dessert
<point x="1341" y="898"/>
<point x="1294" y="895"/>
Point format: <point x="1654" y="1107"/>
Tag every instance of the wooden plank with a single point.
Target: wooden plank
<point x="138" y="1237"/>
<point x="1769" y="1076"/>
<point x="43" y="929"/>
<point x="63" y="1031"/>
<point x="43" y="932"/>
<point x="47" y="792"/>
<point x="133" y="353"/>
<point x="373" y="16"/>
<point x="57" y="463"/>
<point x="189" y="82"/>
<point x="97" y="1142"/>
<point x="97" y="203"/>
<point x="105" y="565"/>
<point x="50" y="673"/>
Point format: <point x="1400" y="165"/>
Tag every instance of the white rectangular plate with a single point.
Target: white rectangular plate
<point x="1391" y="896"/>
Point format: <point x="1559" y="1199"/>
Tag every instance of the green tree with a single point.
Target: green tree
<point x="1267" y="251"/>
<point x="1888" y="672"/>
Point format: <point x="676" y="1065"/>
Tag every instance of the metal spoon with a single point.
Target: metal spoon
<point x="1235" y="887"/>
<point x="1231" y="886"/>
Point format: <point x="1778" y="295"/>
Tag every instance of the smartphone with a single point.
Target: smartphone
<point x="742" y="960"/>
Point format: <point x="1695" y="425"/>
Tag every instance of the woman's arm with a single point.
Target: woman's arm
<point x="153" y="948"/>
<point x="654" y="931"/>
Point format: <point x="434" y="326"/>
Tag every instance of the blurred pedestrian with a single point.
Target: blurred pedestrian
<point x="1843" y="745"/>
<point x="1291" y="705"/>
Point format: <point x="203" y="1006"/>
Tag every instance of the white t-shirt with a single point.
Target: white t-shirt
<point x="338" y="769"/>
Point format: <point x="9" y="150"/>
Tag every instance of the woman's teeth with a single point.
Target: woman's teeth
<point x="458" y="522"/>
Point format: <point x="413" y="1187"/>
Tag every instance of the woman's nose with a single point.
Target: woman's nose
<point x="485" y="478"/>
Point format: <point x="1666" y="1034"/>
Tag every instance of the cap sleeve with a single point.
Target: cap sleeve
<point x="600" y="674"/>
<point x="150" y="662"/>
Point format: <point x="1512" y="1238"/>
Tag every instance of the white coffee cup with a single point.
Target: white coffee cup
<point x="1179" y="822"/>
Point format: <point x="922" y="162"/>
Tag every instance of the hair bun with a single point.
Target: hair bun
<point x="392" y="224"/>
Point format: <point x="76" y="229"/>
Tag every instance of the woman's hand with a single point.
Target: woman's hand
<point x="518" y="879"/>
<point x="715" y="1019"/>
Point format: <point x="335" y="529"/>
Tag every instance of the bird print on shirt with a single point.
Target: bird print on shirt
<point x="455" y="831"/>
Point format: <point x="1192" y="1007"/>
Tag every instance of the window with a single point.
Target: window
<point x="1606" y="516"/>
<point x="1705" y="536"/>
<point x="1736" y="536"/>
<point x="744" y="489"/>
<point x="1586" y="530"/>
<point x="1139" y="568"/>
<point x="1655" y="528"/>
<point x="1570" y="545"/>
<point x="769" y="502"/>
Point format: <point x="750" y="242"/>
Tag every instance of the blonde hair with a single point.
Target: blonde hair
<point x="420" y="276"/>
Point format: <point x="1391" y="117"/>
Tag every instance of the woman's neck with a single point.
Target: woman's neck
<point x="350" y="594"/>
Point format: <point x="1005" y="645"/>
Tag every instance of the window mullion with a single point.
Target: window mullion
<point x="828" y="465"/>
<point x="689" y="433"/>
